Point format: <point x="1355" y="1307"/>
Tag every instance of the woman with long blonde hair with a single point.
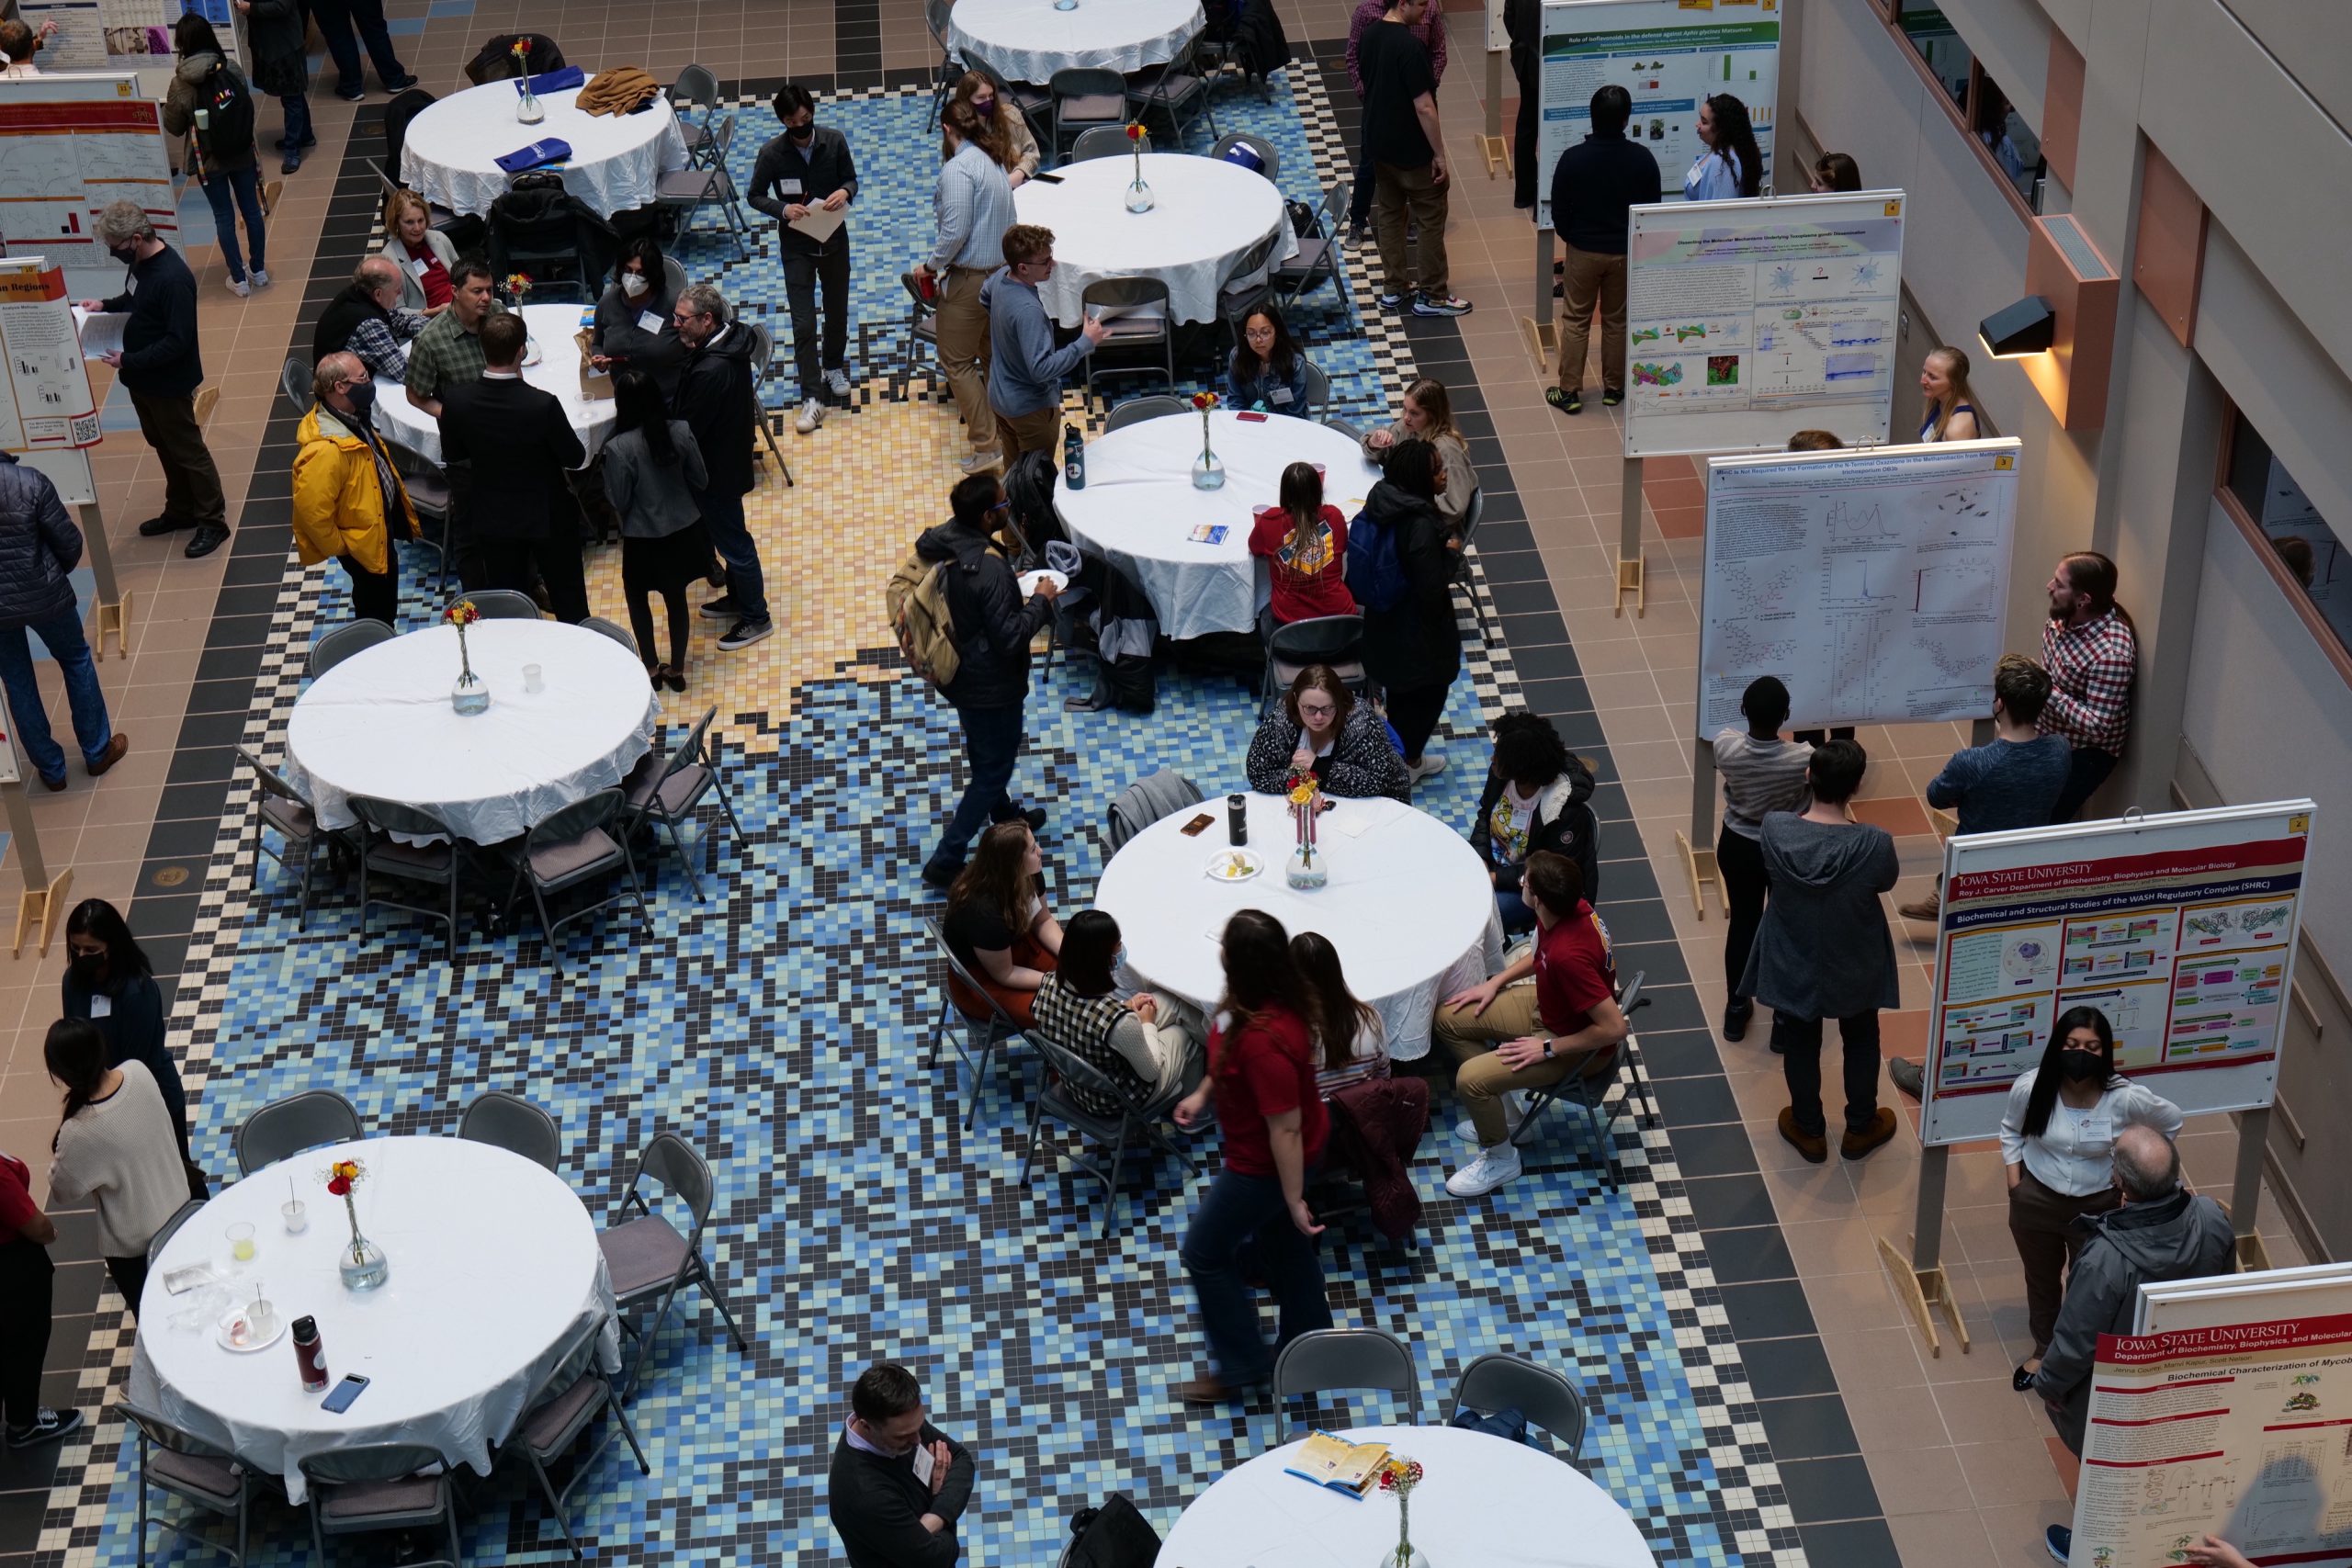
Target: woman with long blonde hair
<point x="1427" y="414"/>
<point x="1952" y="405"/>
<point x="423" y="253"/>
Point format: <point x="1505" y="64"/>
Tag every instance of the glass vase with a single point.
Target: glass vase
<point x="362" y="1264"/>
<point x="1309" y="868"/>
<point x="1208" y="473"/>
<point x="527" y="109"/>
<point x="468" y="695"/>
<point x="1138" y="196"/>
<point x="1403" y="1555"/>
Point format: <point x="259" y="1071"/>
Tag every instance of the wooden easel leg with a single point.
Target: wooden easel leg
<point x="115" y="619"/>
<point x="2253" y="1256"/>
<point x="42" y="907"/>
<point x="1543" y="341"/>
<point x="1700" y="866"/>
<point x="1630" y="579"/>
<point x="1924" y="1291"/>
<point x="1496" y="150"/>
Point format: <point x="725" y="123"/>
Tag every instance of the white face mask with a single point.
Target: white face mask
<point x="634" y="283"/>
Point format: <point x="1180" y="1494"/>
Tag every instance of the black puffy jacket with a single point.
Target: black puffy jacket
<point x="39" y="544"/>
<point x="1562" y="824"/>
<point x="1413" y="645"/>
<point x="993" y="626"/>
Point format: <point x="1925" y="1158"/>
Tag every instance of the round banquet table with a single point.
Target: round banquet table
<point x="380" y="724"/>
<point x="1208" y="211"/>
<point x="1481" y="1502"/>
<point x="495" y="1270"/>
<point x="1139" y="507"/>
<point x="1028" y="41"/>
<point x="1408" y="906"/>
<point x="552" y="328"/>
<point x="451" y="154"/>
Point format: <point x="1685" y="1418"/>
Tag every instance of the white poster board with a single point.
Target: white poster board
<point x="1872" y="583"/>
<point x="73" y="145"/>
<point x="1671" y="55"/>
<point x="2318" y="1289"/>
<point x="1749" y="320"/>
<point x="2179" y="928"/>
<point x="2239" y="1431"/>
<point x="46" y="403"/>
<point x="124" y="35"/>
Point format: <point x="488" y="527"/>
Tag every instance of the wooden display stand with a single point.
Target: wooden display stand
<point x="1699" y="864"/>
<point x="1631" y="578"/>
<point x="42" y="903"/>
<point x="1493" y="146"/>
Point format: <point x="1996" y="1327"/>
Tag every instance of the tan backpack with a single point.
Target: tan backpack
<point x="917" y="601"/>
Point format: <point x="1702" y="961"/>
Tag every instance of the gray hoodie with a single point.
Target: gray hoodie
<point x="1823" y="950"/>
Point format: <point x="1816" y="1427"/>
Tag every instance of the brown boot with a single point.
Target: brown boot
<point x="1858" y="1146"/>
<point x="1922" y="909"/>
<point x="1207" y="1389"/>
<point x="1815" y="1146"/>
<point x="114" y="753"/>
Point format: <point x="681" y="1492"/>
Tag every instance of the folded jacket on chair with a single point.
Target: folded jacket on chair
<point x="551" y="150"/>
<point x="562" y="81"/>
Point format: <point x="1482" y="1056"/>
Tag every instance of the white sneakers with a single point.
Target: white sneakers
<point x="260" y="279"/>
<point x="1489" y="1170"/>
<point x="1431" y="764"/>
<point x="812" y="415"/>
<point x="1514" y="1112"/>
<point x="980" y="462"/>
<point x="837" y="383"/>
<point x="241" y="289"/>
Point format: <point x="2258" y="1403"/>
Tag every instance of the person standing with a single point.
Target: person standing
<point x="1261" y="1077"/>
<point x="349" y="502"/>
<point x="447" y="353"/>
<point x="897" y="1483"/>
<point x="336" y="18"/>
<point x="1523" y="24"/>
<point x="368" y="319"/>
<point x="212" y="104"/>
<point x="26" y="1278"/>
<point x="1951" y="413"/>
<point x="510" y="445"/>
<point x="636" y="327"/>
<point x="992" y="629"/>
<point x="1025" y="370"/>
<point x="109" y="982"/>
<point x="1823" y="951"/>
<point x="652" y="469"/>
<point x="1594" y="186"/>
<point x="19" y="41"/>
<point x="113" y="1147"/>
<point x="1731" y="165"/>
<point x="1429" y="30"/>
<point x="808" y="169"/>
<point x="1406" y="148"/>
<point x="1412" y="648"/>
<point x="1762" y="774"/>
<point x="973" y="202"/>
<point x="161" y="369"/>
<point x="2013" y="780"/>
<point x="717" y="399"/>
<point x="282" y="69"/>
<point x="2092" y="653"/>
<point x="39" y="546"/>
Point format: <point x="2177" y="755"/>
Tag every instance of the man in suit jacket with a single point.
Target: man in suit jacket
<point x="508" y="445"/>
<point x="897" y="1484"/>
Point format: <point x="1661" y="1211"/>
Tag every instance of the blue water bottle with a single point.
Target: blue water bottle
<point x="1074" y="459"/>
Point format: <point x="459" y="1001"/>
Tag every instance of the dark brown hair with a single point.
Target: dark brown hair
<point x="1258" y="972"/>
<point x="1320" y="678"/>
<point x="1340" y="1015"/>
<point x="995" y="874"/>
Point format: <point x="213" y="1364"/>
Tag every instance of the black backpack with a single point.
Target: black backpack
<point x="229" y="107"/>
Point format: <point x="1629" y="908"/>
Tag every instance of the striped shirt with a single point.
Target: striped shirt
<point x="974" y="204"/>
<point x="2090" y="680"/>
<point x="1760" y="777"/>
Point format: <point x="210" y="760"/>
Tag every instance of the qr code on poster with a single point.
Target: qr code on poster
<point x="86" y="432"/>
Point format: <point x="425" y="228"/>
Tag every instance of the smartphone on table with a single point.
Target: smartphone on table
<point x="352" y="1386"/>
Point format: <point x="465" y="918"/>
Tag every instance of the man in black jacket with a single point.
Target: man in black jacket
<point x="508" y="445"/>
<point x="806" y="170"/>
<point x="898" y="1483"/>
<point x="366" y="320"/>
<point x="992" y="627"/>
<point x="160" y="370"/>
<point x="1596" y="181"/>
<point x="38" y="545"/>
<point x="718" y="401"/>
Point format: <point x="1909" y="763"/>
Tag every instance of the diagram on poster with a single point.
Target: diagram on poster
<point x="2179" y="929"/>
<point x="1670" y="57"/>
<point x="1870" y="583"/>
<point x="48" y="404"/>
<point x="1748" y="321"/>
<point x="116" y="35"/>
<point x="74" y="145"/>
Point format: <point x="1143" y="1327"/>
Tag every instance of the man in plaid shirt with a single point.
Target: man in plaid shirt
<point x="2091" y="653"/>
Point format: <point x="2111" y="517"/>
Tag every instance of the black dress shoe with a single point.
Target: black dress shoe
<point x="2022" y="1381"/>
<point x="1736" y="1013"/>
<point x="209" y="538"/>
<point x="156" y="527"/>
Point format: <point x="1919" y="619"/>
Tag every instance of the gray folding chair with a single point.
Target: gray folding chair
<point x="688" y="191"/>
<point x="1145" y="324"/>
<point x="1318" y="390"/>
<point x="1238" y="296"/>
<point x="180" y="1464"/>
<point x="604" y="628"/>
<point x="180" y="1216"/>
<point x="1270" y="160"/>
<point x="294" y="380"/>
<point x="945" y="74"/>
<point x="985" y="1034"/>
<point x="1179" y="90"/>
<point x="1495" y="1382"/>
<point x="648" y="1259"/>
<point x="1586" y="1087"/>
<point x="511" y="1123"/>
<point x="1474" y="512"/>
<point x="696" y="88"/>
<point x="763" y="362"/>
<point x="571" y="847"/>
<point x="1102" y="141"/>
<point x="1319" y="258"/>
<point x="1333" y="1360"/>
<point x="366" y="1488"/>
<point x="1134" y="411"/>
<point x="1134" y="1125"/>
<point x="428" y="496"/>
<point x="1347" y="428"/>
<point x="573" y="1393"/>
<point x="922" y="324"/>
<point x="1084" y="97"/>
<point x="310" y="1120"/>
<point x="1146" y="801"/>
<point x="341" y="642"/>
<point x="501" y="605"/>
<point x="667" y="790"/>
<point x="440" y="865"/>
<point x="1335" y="640"/>
<point x="279" y="805"/>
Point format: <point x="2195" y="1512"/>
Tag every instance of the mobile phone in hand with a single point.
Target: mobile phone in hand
<point x="352" y="1386"/>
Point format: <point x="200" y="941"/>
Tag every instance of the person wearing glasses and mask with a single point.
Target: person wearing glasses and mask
<point x="807" y="172"/>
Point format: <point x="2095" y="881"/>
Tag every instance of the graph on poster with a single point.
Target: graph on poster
<point x="74" y="144"/>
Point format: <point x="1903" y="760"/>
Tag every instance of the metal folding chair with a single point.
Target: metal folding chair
<point x="688" y="191"/>
<point x="1495" y="1382"/>
<point x="570" y="847"/>
<point x="369" y="1487"/>
<point x="989" y="1033"/>
<point x="279" y="805"/>
<point x="181" y="1465"/>
<point x="573" y="1393"/>
<point x="668" y="790"/>
<point x="1136" y="1127"/>
<point x="1586" y="1087"/>
<point x="1145" y="324"/>
<point x="307" y="1121"/>
<point x="1134" y="411"/>
<point x="339" y="643"/>
<point x="1335" y="1360"/>
<point x="511" y="1123"/>
<point x="763" y="363"/>
<point x="648" y="1257"/>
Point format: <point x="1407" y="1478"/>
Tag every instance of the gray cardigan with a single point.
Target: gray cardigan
<point x="411" y="291"/>
<point x="654" y="501"/>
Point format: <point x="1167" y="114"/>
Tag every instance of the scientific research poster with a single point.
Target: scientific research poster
<point x="72" y="145"/>
<point x="1872" y="583"/>
<point x="120" y="34"/>
<point x="2243" y="1431"/>
<point x="1749" y="320"/>
<point x="1671" y="55"/>
<point x="48" y="404"/>
<point x="2179" y="928"/>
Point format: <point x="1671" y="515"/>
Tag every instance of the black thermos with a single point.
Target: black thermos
<point x="1237" y="819"/>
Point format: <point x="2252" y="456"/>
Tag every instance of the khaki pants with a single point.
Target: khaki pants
<point x="1589" y="276"/>
<point x="1480" y="1076"/>
<point x="1395" y="192"/>
<point x="1039" y="431"/>
<point x="964" y="351"/>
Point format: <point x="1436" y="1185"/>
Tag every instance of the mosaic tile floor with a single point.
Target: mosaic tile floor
<point x="782" y="1026"/>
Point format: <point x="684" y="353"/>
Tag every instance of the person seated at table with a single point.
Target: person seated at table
<point x="1536" y="799"/>
<point x="109" y="983"/>
<point x="518" y="447"/>
<point x="1318" y="727"/>
<point x="1305" y="544"/>
<point x="1427" y="414"/>
<point x="1266" y="370"/>
<point x="1412" y="649"/>
<point x="349" y="502"/>
<point x="1014" y="143"/>
<point x="652" y="469"/>
<point x="113" y="1151"/>
<point x="1141" y="1040"/>
<point x="633" y="326"/>
<point x="1350" y="1041"/>
<point x="368" y="319"/>
<point x="999" y="925"/>
<point x="425" y="255"/>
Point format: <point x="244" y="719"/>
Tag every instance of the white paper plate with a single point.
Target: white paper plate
<point x="1029" y="581"/>
<point x="531" y="354"/>
<point x="235" y="1315"/>
<point x="1233" y="865"/>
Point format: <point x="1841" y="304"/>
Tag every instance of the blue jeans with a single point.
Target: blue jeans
<point x="992" y="750"/>
<point x="245" y="186"/>
<point x="1237" y="1213"/>
<point x="62" y="634"/>
<point x="1517" y="917"/>
<point x="298" y="133"/>
<point x="722" y="519"/>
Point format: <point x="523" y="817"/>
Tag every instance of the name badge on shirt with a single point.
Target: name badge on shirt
<point x="101" y="1007"/>
<point x="1281" y="395"/>
<point x="789" y="187"/>
<point x="924" y="1462"/>
<point x="651" y="321"/>
<point x="2099" y="1132"/>
<point x="418" y="268"/>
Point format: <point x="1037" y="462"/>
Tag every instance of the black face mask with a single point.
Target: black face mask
<point x="362" y="397"/>
<point x="2081" y="1066"/>
<point x="801" y="132"/>
<point x="90" y="971"/>
<point x="126" y="255"/>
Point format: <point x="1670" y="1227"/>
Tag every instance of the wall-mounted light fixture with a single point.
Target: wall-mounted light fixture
<point x="2062" y="333"/>
<point x="2015" y="331"/>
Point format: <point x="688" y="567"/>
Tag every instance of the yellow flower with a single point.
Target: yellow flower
<point x="1302" y="794"/>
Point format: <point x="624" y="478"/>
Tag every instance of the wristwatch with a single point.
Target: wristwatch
<point x="1548" y="1048"/>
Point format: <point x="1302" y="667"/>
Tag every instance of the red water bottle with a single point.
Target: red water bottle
<point x="311" y="1354"/>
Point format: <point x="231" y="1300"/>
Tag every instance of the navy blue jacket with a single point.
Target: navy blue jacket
<point x="39" y="544"/>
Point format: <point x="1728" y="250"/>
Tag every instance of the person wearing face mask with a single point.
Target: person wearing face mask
<point x="1266" y="370"/>
<point x="1318" y="727"/>
<point x="424" y="253"/>
<point x="633" y="328"/>
<point x="2058" y="1141"/>
<point x="1015" y="144"/>
<point x="1140" y="1041"/>
<point x="809" y="170"/>
<point x="897" y="1483"/>
<point x="109" y="983"/>
<point x="349" y="503"/>
<point x="369" y="319"/>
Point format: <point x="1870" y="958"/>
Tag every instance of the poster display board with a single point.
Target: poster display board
<point x="69" y="145"/>
<point x="2242" y="1430"/>
<point x="46" y="405"/>
<point x="1872" y="583"/>
<point x="1671" y="55"/>
<point x="2179" y="928"/>
<point x="123" y="35"/>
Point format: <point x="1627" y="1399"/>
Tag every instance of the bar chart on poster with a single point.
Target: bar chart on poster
<point x="74" y="144"/>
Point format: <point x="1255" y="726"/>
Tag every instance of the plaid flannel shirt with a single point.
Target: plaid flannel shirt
<point x="2090" y="680"/>
<point x="382" y="346"/>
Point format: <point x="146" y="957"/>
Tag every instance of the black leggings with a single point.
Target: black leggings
<point x="1740" y="861"/>
<point x="25" y="1281"/>
<point x="131" y="1279"/>
<point x="640" y="618"/>
<point x="1416" y="714"/>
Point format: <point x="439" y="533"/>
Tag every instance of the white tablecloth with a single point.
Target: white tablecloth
<point x="1484" y="1501"/>
<point x="1207" y="212"/>
<point x="451" y="154"/>
<point x="1140" y="508"/>
<point x="552" y="327"/>
<point x="494" y="1270"/>
<point x="380" y="724"/>
<point x="1028" y="41"/>
<point x="1408" y="906"/>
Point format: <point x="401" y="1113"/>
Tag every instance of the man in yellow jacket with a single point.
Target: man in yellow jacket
<point x="345" y="489"/>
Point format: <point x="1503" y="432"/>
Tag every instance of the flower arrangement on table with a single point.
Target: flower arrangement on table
<point x="1138" y="193"/>
<point x="1399" y="1475"/>
<point x="526" y="106"/>
<point x="518" y="286"/>
<point x="1208" y="473"/>
<point x="342" y="1178"/>
<point x="1304" y="793"/>
<point x="468" y="696"/>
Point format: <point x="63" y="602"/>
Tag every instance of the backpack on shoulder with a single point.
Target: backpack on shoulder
<point x="1375" y="564"/>
<point x="916" y="598"/>
<point x="229" y="113"/>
